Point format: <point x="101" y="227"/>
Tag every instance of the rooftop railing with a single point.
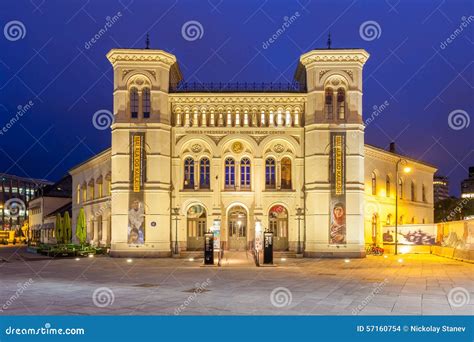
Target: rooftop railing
<point x="242" y="87"/>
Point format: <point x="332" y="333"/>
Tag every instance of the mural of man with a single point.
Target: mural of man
<point x="136" y="217"/>
<point x="337" y="231"/>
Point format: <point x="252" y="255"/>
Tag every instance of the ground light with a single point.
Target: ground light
<point x="77" y="259"/>
<point x="347" y="260"/>
<point x="91" y="255"/>
<point x="385" y="256"/>
<point x="191" y="259"/>
<point x="129" y="260"/>
<point x="283" y="259"/>
<point x="400" y="260"/>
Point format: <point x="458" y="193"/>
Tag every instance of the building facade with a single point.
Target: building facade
<point x="15" y="193"/>
<point x="440" y="188"/>
<point x="467" y="185"/>
<point x="50" y="200"/>
<point x="186" y="158"/>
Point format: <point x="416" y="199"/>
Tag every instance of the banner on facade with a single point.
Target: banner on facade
<point x="337" y="175"/>
<point x="136" y="211"/>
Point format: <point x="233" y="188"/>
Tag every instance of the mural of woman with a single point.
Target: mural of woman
<point x="337" y="231"/>
<point x="136" y="218"/>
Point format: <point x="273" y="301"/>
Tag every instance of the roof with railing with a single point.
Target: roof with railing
<point x="237" y="87"/>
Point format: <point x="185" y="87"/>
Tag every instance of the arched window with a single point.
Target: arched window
<point x="413" y="220"/>
<point x="328" y="103"/>
<point x="413" y="191"/>
<point x="400" y="188"/>
<point x="286" y="173"/>
<point x="204" y="174"/>
<point x="91" y="191"/>
<point x="423" y="193"/>
<point x="78" y="194"/>
<point x="245" y="173"/>
<point x="189" y="173"/>
<point x="270" y="173"/>
<point x="229" y="173"/>
<point x="134" y="103"/>
<point x="387" y="186"/>
<point x="108" y="189"/>
<point x="374" y="184"/>
<point x="100" y="188"/>
<point x="341" y="104"/>
<point x="389" y="219"/>
<point x="84" y="192"/>
<point x="146" y="104"/>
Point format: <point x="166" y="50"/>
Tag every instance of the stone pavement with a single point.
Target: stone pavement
<point x="413" y="285"/>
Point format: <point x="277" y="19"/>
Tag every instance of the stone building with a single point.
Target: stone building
<point x="185" y="158"/>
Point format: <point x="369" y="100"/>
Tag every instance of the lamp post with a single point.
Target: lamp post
<point x="299" y="214"/>
<point x="406" y="169"/>
<point x="176" y="219"/>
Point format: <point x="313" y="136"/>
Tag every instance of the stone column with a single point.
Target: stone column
<point x="204" y="119"/>
<point x="297" y="119"/>
<point x="271" y="119"/>
<point x="229" y="119"/>
<point x="178" y="119"/>
<point x="287" y="119"/>
<point x="195" y="119"/>
<point x="186" y="119"/>
<point x="279" y="119"/>
<point x="237" y="119"/>
<point x="212" y="119"/>
<point x="262" y="119"/>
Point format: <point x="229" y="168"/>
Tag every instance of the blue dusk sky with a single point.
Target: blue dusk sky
<point x="51" y="71"/>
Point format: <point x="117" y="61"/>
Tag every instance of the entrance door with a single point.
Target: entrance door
<point x="278" y="224"/>
<point x="196" y="222"/>
<point x="237" y="228"/>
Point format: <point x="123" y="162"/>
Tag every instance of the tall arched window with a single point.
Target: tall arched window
<point x="229" y="173"/>
<point x="374" y="184"/>
<point x="134" y="103"/>
<point x="146" y="103"/>
<point x="245" y="173"/>
<point x="389" y="219"/>
<point x="204" y="174"/>
<point x="387" y="186"/>
<point x="341" y="104"/>
<point x="91" y="190"/>
<point x="270" y="173"/>
<point x="189" y="173"/>
<point x="78" y="194"/>
<point x="328" y="103"/>
<point x="413" y="191"/>
<point x="423" y="193"/>
<point x="400" y="188"/>
<point x="286" y="173"/>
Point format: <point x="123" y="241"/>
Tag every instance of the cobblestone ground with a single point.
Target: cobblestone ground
<point x="404" y="285"/>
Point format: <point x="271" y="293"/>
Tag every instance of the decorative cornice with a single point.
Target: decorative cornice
<point x="357" y="55"/>
<point x="137" y="55"/>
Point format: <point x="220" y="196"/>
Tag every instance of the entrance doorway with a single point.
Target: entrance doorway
<point x="196" y="222"/>
<point x="278" y="224"/>
<point x="237" y="228"/>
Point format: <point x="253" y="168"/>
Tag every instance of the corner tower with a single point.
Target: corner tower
<point x="140" y="152"/>
<point x="334" y="152"/>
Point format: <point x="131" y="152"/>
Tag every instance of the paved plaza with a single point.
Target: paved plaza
<point x="405" y="285"/>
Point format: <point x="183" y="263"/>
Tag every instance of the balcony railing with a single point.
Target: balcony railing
<point x="242" y="87"/>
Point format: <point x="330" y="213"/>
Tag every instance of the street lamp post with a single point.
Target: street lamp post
<point x="406" y="170"/>
<point x="176" y="219"/>
<point x="299" y="214"/>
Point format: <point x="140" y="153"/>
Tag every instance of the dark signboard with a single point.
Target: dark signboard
<point x="268" y="248"/>
<point x="209" y="249"/>
<point x="337" y="176"/>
